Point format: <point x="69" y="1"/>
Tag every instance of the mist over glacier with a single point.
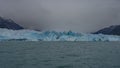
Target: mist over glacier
<point x="32" y="35"/>
<point x="62" y="15"/>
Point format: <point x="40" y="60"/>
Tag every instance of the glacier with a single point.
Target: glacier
<point x="32" y="35"/>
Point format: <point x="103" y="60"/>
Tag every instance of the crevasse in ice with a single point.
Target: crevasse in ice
<point x="32" y="35"/>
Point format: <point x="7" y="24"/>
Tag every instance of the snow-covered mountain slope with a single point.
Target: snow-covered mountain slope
<point x="31" y="35"/>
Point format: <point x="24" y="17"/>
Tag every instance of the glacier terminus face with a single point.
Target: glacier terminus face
<point x="32" y="35"/>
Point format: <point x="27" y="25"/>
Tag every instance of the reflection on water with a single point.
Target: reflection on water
<point x="59" y="54"/>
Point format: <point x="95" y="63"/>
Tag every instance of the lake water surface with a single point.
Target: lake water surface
<point x="16" y="54"/>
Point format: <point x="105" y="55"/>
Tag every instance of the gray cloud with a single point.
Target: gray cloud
<point x="61" y="15"/>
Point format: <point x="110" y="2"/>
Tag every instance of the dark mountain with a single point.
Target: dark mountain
<point x="9" y="24"/>
<point x="112" y="30"/>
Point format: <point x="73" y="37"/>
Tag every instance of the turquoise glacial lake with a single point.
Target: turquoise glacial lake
<point x="22" y="54"/>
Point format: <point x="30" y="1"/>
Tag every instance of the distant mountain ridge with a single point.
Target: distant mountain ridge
<point x="9" y="24"/>
<point x="112" y="30"/>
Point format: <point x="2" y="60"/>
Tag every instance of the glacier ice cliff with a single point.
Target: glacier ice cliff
<point x="32" y="35"/>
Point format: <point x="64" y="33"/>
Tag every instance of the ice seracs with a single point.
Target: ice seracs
<point x="32" y="35"/>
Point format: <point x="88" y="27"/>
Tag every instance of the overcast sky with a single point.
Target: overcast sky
<point x="62" y="15"/>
